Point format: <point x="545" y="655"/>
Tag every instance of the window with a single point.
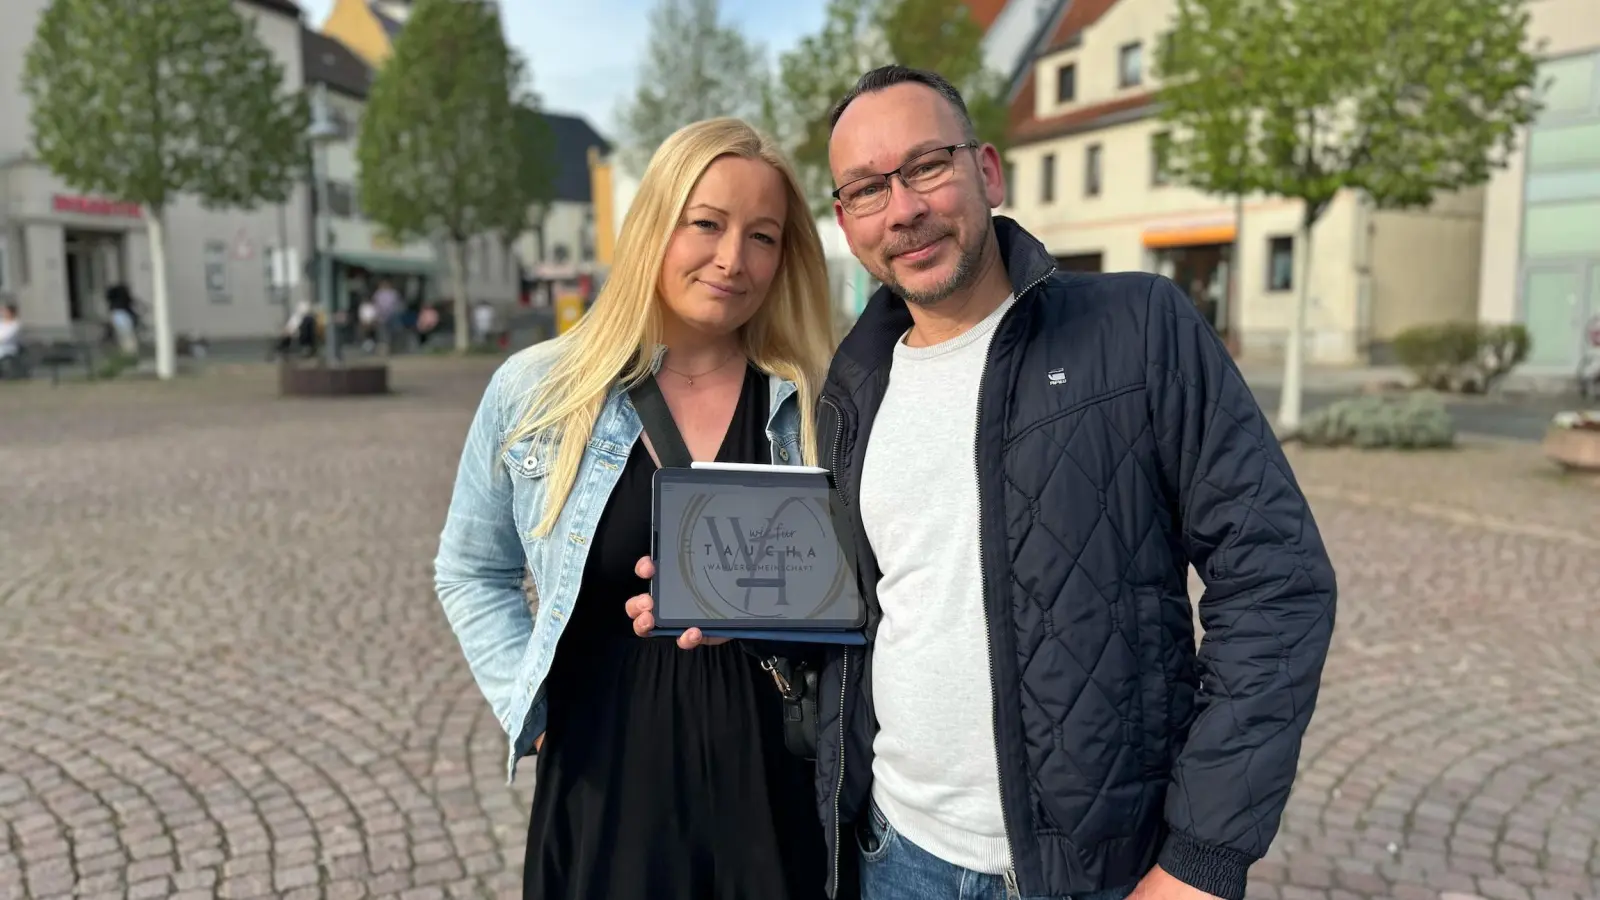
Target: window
<point x="217" y="271"/>
<point x="1160" y="146"/>
<point x="1562" y="230"/>
<point x="1570" y="85"/>
<point x="1280" y="263"/>
<point x="1130" y="65"/>
<point x="1047" y="179"/>
<point x="5" y="264"/>
<point x="1566" y="147"/>
<point x="1066" y="84"/>
<point x="1091" y="171"/>
<point x="341" y="200"/>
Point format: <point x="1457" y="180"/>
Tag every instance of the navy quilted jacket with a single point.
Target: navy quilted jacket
<point x="1117" y="444"/>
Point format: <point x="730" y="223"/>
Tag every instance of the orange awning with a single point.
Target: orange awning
<point x="1190" y="237"/>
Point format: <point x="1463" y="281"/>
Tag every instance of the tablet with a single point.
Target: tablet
<point x="746" y="550"/>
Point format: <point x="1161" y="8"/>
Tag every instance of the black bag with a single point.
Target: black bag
<point x="796" y="681"/>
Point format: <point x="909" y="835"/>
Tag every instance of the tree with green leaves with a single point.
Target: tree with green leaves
<point x="696" y="66"/>
<point x="446" y="151"/>
<point x="151" y="102"/>
<point x="1401" y="100"/>
<point x="859" y="35"/>
<point x="527" y="207"/>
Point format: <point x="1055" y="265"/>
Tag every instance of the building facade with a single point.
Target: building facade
<point x="363" y="256"/>
<point x="60" y="249"/>
<point x="1541" y="241"/>
<point x="561" y="250"/>
<point x="1084" y="175"/>
<point x="558" y="249"/>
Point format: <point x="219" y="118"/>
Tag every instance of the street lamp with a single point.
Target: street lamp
<point x="323" y="131"/>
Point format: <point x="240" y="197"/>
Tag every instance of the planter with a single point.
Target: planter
<point x="1574" y="449"/>
<point x="341" y="381"/>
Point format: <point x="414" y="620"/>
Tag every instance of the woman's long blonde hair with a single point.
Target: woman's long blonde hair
<point x="790" y="335"/>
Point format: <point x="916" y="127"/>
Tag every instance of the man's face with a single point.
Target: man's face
<point x="927" y="240"/>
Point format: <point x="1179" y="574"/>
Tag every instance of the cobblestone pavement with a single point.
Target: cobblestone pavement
<point x="223" y="672"/>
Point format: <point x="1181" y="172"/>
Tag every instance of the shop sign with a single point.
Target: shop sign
<point x="94" y="206"/>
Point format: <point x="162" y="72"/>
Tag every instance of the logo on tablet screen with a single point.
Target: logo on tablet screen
<point x="782" y="564"/>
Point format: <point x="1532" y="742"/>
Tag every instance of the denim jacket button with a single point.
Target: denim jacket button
<point x="783" y="453"/>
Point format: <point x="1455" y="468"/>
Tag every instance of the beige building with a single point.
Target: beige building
<point x="1083" y="176"/>
<point x="1541" y="241"/>
<point x="60" y="249"/>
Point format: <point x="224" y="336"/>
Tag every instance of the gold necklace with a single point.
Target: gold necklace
<point x="690" y="378"/>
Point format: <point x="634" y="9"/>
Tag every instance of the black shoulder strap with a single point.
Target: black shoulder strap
<point x="665" y="438"/>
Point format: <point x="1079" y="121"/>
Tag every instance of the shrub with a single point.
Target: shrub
<point x="1464" y="357"/>
<point x="114" y="364"/>
<point x="1406" y="422"/>
<point x="1501" y="348"/>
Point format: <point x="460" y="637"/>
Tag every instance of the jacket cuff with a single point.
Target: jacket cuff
<point x="1215" y="870"/>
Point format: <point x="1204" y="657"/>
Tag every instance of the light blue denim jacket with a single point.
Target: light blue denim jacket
<point x="487" y="543"/>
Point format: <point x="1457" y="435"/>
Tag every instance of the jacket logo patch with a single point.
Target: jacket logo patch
<point x="1057" y="376"/>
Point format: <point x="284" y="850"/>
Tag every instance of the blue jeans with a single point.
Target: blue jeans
<point x="893" y="868"/>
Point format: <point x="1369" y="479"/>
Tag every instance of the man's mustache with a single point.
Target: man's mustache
<point x="915" y="240"/>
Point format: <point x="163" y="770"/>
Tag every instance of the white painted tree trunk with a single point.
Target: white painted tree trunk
<point x="160" y="302"/>
<point x="1294" y="354"/>
<point x="458" y="276"/>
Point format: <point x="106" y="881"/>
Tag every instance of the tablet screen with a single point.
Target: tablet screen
<point x="753" y="549"/>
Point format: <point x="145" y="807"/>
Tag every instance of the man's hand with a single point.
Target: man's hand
<point x="644" y="621"/>
<point x="1158" y="885"/>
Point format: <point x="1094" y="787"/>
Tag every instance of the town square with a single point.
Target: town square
<point x="226" y="675"/>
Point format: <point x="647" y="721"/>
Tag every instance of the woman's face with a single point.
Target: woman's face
<point x="726" y="247"/>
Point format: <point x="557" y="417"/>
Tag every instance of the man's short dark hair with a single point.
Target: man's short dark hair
<point x="885" y="77"/>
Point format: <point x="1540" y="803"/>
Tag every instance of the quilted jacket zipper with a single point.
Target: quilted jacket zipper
<point x="983" y="573"/>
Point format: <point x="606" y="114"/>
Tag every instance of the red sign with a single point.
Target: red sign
<point x="94" y="206"/>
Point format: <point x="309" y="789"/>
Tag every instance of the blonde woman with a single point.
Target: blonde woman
<point x="660" y="774"/>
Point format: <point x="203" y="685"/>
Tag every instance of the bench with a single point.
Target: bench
<point x="53" y="348"/>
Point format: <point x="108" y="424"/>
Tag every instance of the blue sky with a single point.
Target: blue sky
<point x="584" y="52"/>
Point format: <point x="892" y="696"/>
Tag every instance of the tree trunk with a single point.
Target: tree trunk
<point x="458" y="278"/>
<point x="1294" y="356"/>
<point x="160" y="303"/>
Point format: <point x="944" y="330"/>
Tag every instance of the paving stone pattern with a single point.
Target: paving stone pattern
<point x="223" y="672"/>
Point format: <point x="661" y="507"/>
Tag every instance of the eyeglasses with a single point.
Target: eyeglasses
<point x="870" y="193"/>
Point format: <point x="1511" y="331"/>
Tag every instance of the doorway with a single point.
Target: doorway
<point x="1204" y="272"/>
<point x="94" y="263"/>
<point x="1558" y="303"/>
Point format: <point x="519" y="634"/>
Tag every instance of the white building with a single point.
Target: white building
<point x="1541" y="232"/>
<point x="60" y="249"/>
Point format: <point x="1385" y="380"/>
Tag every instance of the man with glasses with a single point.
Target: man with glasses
<point x="1030" y="462"/>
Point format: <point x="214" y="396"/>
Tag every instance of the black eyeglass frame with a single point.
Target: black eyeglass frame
<point x="888" y="177"/>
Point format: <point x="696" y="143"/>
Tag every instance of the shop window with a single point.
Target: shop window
<point x="1280" y="263"/>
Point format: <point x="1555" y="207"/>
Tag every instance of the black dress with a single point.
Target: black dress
<point x="663" y="774"/>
